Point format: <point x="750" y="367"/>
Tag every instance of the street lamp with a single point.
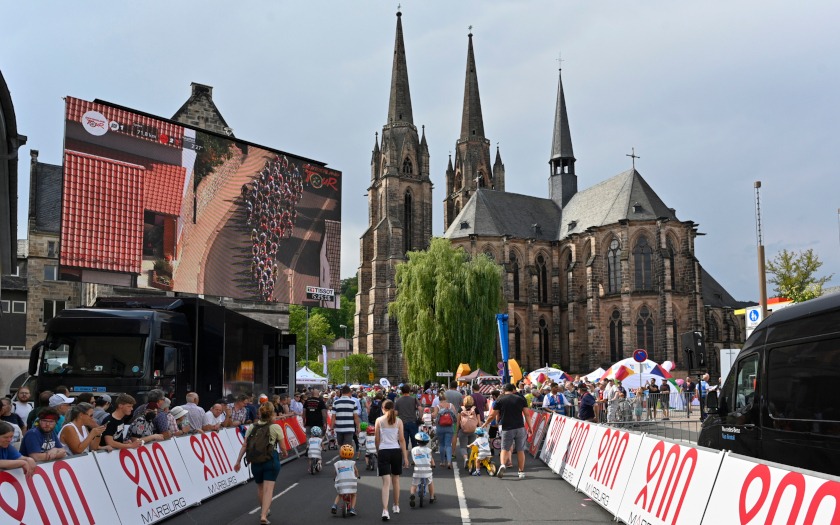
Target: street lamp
<point x="345" y="351"/>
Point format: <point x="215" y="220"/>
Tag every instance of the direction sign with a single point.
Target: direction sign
<point x="320" y="294"/>
<point x="640" y="355"/>
<point x="346" y="368"/>
<point x="444" y="374"/>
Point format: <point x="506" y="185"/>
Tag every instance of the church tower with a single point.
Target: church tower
<point x="399" y="220"/>
<point x="472" y="168"/>
<point x="562" y="183"/>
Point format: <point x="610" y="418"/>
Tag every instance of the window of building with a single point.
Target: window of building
<point x="5" y="306"/>
<point x="459" y="181"/>
<point x="616" y="336"/>
<point x="672" y="258"/>
<point x="644" y="331"/>
<point x="51" y="308"/>
<point x="18" y="307"/>
<point x="52" y="249"/>
<point x="17" y="348"/>
<point x="514" y="265"/>
<point x="50" y="272"/>
<point x="676" y="339"/>
<point x="407" y="167"/>
<point x="4" y="348"/>
<point x="542" y="279"/>
<point x="714" y="330"/>
<point x="408" y="222"/>
<point x="480" y="180"/>
<point x="614" y="267"/>
<point x="517" y="340"/>
<point x="643" y="263"/>
<point x="545" y="345"/>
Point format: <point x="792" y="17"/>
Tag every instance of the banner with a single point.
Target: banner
<point x="575" y="442"/>
<point x="324" y="349"/>
<point x="58" y="492"/>
<point x="150" y="483"/>
<point x="608" y="466"/>
<point x="536" y="423"/>
<point x="209" y="459"/>
<point x="236" y="439"/>
<point x="670" y="484"/>
<point x="552" y="438"/>
<point x="754" y="492"/>
<point x="293" y="432"/>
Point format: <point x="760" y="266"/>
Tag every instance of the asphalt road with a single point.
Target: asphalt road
<point x="301" y="498"/>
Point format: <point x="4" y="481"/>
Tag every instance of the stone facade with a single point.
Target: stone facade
<point x="201" y="112"/>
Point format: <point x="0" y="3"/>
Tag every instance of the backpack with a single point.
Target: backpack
<point x="141" y="427"/>
<point x="468" y="421"/>
<point x="375" y="411"/>
<point x="258" y="448"/>
<point x="446" y="417"/>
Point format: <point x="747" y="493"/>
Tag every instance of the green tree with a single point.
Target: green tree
<point x="320" y="332"/>
<point x="360" y="367"/>
<point x="446" y="308"/>
<point x="794" y="275"/>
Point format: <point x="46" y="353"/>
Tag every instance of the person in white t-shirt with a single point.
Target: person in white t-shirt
<point x="214" y="418"/>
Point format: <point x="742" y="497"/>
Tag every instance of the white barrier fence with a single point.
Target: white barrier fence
<point x="646" y="480"/>
<point x="145" y="485"/>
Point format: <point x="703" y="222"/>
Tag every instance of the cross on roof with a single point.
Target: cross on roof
<point x="559" y="60"/>
<point x="633" y="156"/>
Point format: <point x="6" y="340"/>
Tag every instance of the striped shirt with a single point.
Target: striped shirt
<point x="345" y="476"/>
<point x="345" y="409"/>
<point x="422" y="457"/>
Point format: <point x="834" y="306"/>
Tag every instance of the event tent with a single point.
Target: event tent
<point x="305" y="376"/>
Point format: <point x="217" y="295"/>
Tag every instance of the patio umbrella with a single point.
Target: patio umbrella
<point x="548" y="373"/>
<point x="618" y="372"/>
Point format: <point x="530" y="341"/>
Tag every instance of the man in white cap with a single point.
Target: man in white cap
<point x="61" y="403"/>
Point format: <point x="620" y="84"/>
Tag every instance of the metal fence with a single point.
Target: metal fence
<point x="684" y="430"/>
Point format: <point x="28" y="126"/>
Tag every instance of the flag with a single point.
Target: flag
<point x="324" y="347"/>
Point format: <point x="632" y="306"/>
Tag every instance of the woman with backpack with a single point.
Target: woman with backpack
<point x="467" y="422"/>
<point x="444" y="417"/>
<point x="260" y="449"/>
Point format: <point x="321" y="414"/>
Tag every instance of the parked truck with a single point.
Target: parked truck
<point x="177" y="344"/>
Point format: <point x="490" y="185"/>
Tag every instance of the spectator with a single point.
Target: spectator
<point x="466" y="424"/>
<point x="172" y="424"/>
<point x="314" y="412"/>
<point x="7" y="415"/>
<point x="702" y="391"/>
<point x="195" y="414"/>
<point x="251" y="409"/>
<point x="85" y="397"/>
<point x="689" y="389"/>
<point x="182" y="422"/>
<point x="23" y="405"/>
<point x="214" y="418"/>
<point x="283" y="408"/>
<point x="346" y="422"/>
<point x="586" y="411"/>
<point x="480" y="405"/>
<point x="510" y="410"/>
<point x="235" y="413"/>
<point x="61" y="403"/>
<point x="154" y="401"/>
<point x="296" y="404"/>
<point x="445" y="432"/>
<point x="393" y="455"/>
<point x="406" y="406"/>
<point x="100" y="412"/>
<point x="10" y="458"/>
<point x="555" y="401"/>
<point x="665" y="394"/>
<point x="145" y="425"/>
<point x="75" y="437"/>
<point x="118" y="424"/>
<point x="454" y="397"/>
<point x="653" y="398"/>
<point x="41" y="443"/>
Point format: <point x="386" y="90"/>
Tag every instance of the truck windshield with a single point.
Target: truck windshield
<point x="114" y="356"/>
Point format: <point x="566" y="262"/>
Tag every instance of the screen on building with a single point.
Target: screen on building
<point x="151" y="203"/>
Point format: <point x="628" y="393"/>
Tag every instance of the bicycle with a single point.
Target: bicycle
<point x="315" y="467"/>
<point x="346" y="500"/>
<point x="474" y="464"/>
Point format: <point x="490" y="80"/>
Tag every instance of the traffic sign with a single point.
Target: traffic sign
<point x="444" y="374"/>
<point x="640" y="355"/>
<point x="370" y="376"/>
<point x="346" y="368"/>
<point x="315" y="293"/>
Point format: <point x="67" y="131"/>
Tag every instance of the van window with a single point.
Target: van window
<point x="802" y="381"/>
<point x="745" y="384"/>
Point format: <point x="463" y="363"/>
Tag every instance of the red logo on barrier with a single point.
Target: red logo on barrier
<point x="791" y="479"/>
<point x="664" y="460"/>
<point x="58" y="468"/>
<point x="154" y="459"/>
<point x="209" y="447"/>
<point x="611" y="451"/>
<point x="552" y="440"/>
<point x="575" y="445"/>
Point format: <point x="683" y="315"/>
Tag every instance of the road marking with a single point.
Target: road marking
<point x="462" y="499"/>
<point x="333" y="459"/>
<point x="274" y="498"/>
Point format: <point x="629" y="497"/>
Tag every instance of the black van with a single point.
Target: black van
<point x="781" y="400"/>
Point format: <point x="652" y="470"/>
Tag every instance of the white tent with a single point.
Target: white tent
<point x="595" y="374"/>
<point x="305" y="376"/>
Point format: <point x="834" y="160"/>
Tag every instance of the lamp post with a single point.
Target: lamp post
<point x="345" y="351"/>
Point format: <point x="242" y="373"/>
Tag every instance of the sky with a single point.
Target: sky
<point x="712" y="95"/>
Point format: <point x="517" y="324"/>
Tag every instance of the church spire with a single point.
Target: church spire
<point x="472" y="125"/>
<point x="561" y="145"/>
<point x="399" y="106"/>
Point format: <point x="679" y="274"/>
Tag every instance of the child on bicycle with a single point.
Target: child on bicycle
<point x="421" y="455"/>
<point x="314" y="444"/>
<point x="370" y="448"/>
<point x="346" y="475"/>
<point x="362" y="438"/>
<point x="480" y="453"/>
<point x="427" y="419"/>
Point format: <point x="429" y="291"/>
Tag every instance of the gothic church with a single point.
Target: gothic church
<point x="588" y="275"/>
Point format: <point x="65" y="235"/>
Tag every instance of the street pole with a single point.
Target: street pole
<point x="307" y="337"/>
<point x="345" y="351"/>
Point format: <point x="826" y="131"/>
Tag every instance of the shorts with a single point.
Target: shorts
<point x="267" y="471"/>
<point x="390" y="462"/>
<point x="416" y="481"/>
<point x="515" y="438"/>
<point x="345" y="438"/>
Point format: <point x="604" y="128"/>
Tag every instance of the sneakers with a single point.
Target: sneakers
<point x="432" y="500"/>
<point x="521" y="475"/>
<point x="385" y="516"/>
<point x="352" y="511"/>
<point x="411" y="502"/>
<point x="476" y="473"/>
<point x="334" y="509"/>
<point x="395" y="509"/>
<point x="501" y="473"/>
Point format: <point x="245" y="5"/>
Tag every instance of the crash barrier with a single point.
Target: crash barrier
<point x="145" y="485"/>
<point x="675" y="430"/>
<point x="642" y="479"/>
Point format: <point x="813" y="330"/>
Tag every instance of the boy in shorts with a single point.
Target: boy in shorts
<point x="421" y="455"/>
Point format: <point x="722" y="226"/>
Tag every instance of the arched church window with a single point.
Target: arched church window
<point x="489" y="253"/>
<point x="614" y="267"/>
<point x="514" y="266"/>
<point x="517" y="340"/>
<point x="643" y="264"/>
<point x="616" y="336"/>
<point x="459" y="181"/>
<point x="545" y="345"/>
<point x="542" y="279"/>
<point x="644" y="331"/>
<point x="408" y="222"/>
<point x="480" y="178"/>
<point x="672" y="259"/>
<point x="407" y="167"/>
<point x="714" y="330"/>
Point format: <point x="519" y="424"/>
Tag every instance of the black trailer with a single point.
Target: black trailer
<point x="177" y="344"/>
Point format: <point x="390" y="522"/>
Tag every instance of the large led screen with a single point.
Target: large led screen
<point x="148" y="202"/>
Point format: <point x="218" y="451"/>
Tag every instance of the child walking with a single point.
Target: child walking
<point x="423" y="464"/>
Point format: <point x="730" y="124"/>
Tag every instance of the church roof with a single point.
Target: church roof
<point x="627" y="196"/>
<point x="498" y="213"/>
<point x="472" y="123"/>
<point x="716" y="296"/>
<point x="399" y="105"/>
<point x="561" y="143"/>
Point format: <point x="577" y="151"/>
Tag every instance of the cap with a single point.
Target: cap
<point x="263" y="398"/>
<point x="60" y="399"/>
<point x="105" y="397"/>
<point x="178" y="412"/>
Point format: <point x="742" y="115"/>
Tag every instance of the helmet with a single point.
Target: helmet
<point x="426" y="410"/>
<point x="316" y="431"/>
<point x="422" y="437"/>
<point x="479" y="431"/>
<point x="363" y="426"/>
<point x="347" y="452"/>
<point x="371" y="430"/>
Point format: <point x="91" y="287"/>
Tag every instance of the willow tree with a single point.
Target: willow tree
<point x="445" y="307"/>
